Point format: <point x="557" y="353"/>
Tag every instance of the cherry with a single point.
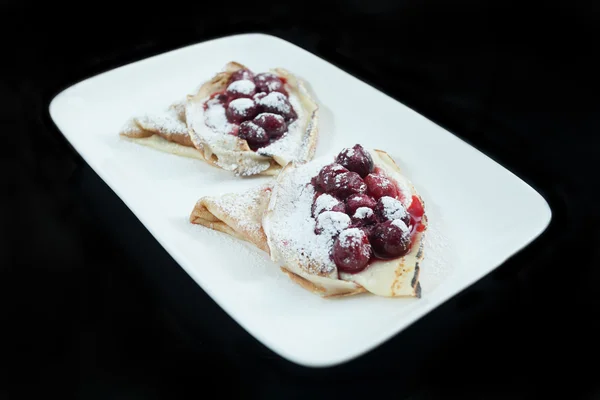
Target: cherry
<point x="380" y="185"/>
<point x="268" y="82"/>
<point x="390" y="239"/>
<point x="389" y="209"/>
<point x="240" y="89"/>
<point x="324" y="181"/>
<point x="277" y="103"/>
<point x="351" y="250"/>
<point x="219" y="98"/>
<point x="346" y="184"/>
<point x="253" y="134"/>
<point x="240" y="110"/>
<point x="356" y="159"/>
<point x="359" y="200"/>
<point x="273" y="124"/>
<point x="331" y="223"/>
<point x="241" y="74"/>
<point x="326" y="202"/>
<point x="363" y="217"/>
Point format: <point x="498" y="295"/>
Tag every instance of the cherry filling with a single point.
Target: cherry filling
<point x="356" y="159"/>
<point x="268" y="82"/>
<point x="242" y="74"/>
<point x="357" y="201"/>
<point x="326" y="178"/>
<point x="240" y="110"/>
<point x="326" y="202"/>
<point x="362" y="208"/>
<point x="257" y="106"/>
<point x="352" y="250"/>
<point x="253" y="134"/>
<point x="273" y="124"/>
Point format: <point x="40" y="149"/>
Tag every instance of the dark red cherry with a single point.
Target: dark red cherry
<point x="346" y="184"/>
<point x="273" y="124"/>
<point x="389" y="209"/>
<point x="356" y="159"/>
<point x="242" y="74"/>
<point x="390" y="239"/>
<point x="359" y="200"/>
<point x="253" y="134"/>
<point x="277" y="103"/>
<point x="220" y="98"/>
<point x="380" y="185"/>
<point x="240" y="110"/>
<point x="326" y="202"/>
<point x="324" y="181"/>
<point x="351" y="250"/>
<point x="267" y="82"/>
<point x="240" y="89"/>
<point x="363" y="216"/>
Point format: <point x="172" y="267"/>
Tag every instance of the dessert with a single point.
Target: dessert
<point x="339" y="226"/>
<point x="238" y="121"/>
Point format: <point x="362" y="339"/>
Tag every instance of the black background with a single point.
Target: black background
<point x="85" y="314"/>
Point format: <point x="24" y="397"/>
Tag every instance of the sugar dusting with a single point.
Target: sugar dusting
<point x="213" y="128"/>
<point x="353" y="238"/>
<point x="290" y="146"/>
<point x="243" y="207"/>
<point x="392" y="208"/>
<point x="216" y="118"/>
<point x="325" y="202"/>
<point x="167" y="122"/>
<point x="290" y="227"/>
<point x="242" y="105"/>
<point x="362" y="213"/>
<point x="400" y="224"/>
<point x="276" y="101"/>
<point x="332" y="222"/>
<point x="243" y="86"/>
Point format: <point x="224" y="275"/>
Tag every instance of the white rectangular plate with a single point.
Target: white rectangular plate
<point x="480" y="213"/>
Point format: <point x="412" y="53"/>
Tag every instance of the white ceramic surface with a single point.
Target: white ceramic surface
<point x="480" y="214"/>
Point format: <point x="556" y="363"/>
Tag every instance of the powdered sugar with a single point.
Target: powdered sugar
<point x="352" y="237"/>
<point x="276" y="101"/>
<point x="290" y="227"/>
<point x="213" y="131"/>
<point x="332" y="222"/>
<point x="241" y="106"/>
<point x="400" y="224"/>
<point x="363" y="212"/>
<point x="240" y="208"/>
<point x="347" y="152"/>
<point x="167" y="122"/>
<point x="325" y="202"/>
<point x="216" y="118"/>
<point x="392" y="208"/>
<point x="291" y="146"/>
<point x="243" y="86"/>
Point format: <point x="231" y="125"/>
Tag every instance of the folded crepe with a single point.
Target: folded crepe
<point x="276" y="217"/>
<point x="182" y="130"/>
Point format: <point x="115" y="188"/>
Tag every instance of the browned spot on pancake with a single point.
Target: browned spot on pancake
<point x="415" y="276"/>
<point x="418" y="291"/>
<point x="398" y="273"/>
<point x="420" y="252"/>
